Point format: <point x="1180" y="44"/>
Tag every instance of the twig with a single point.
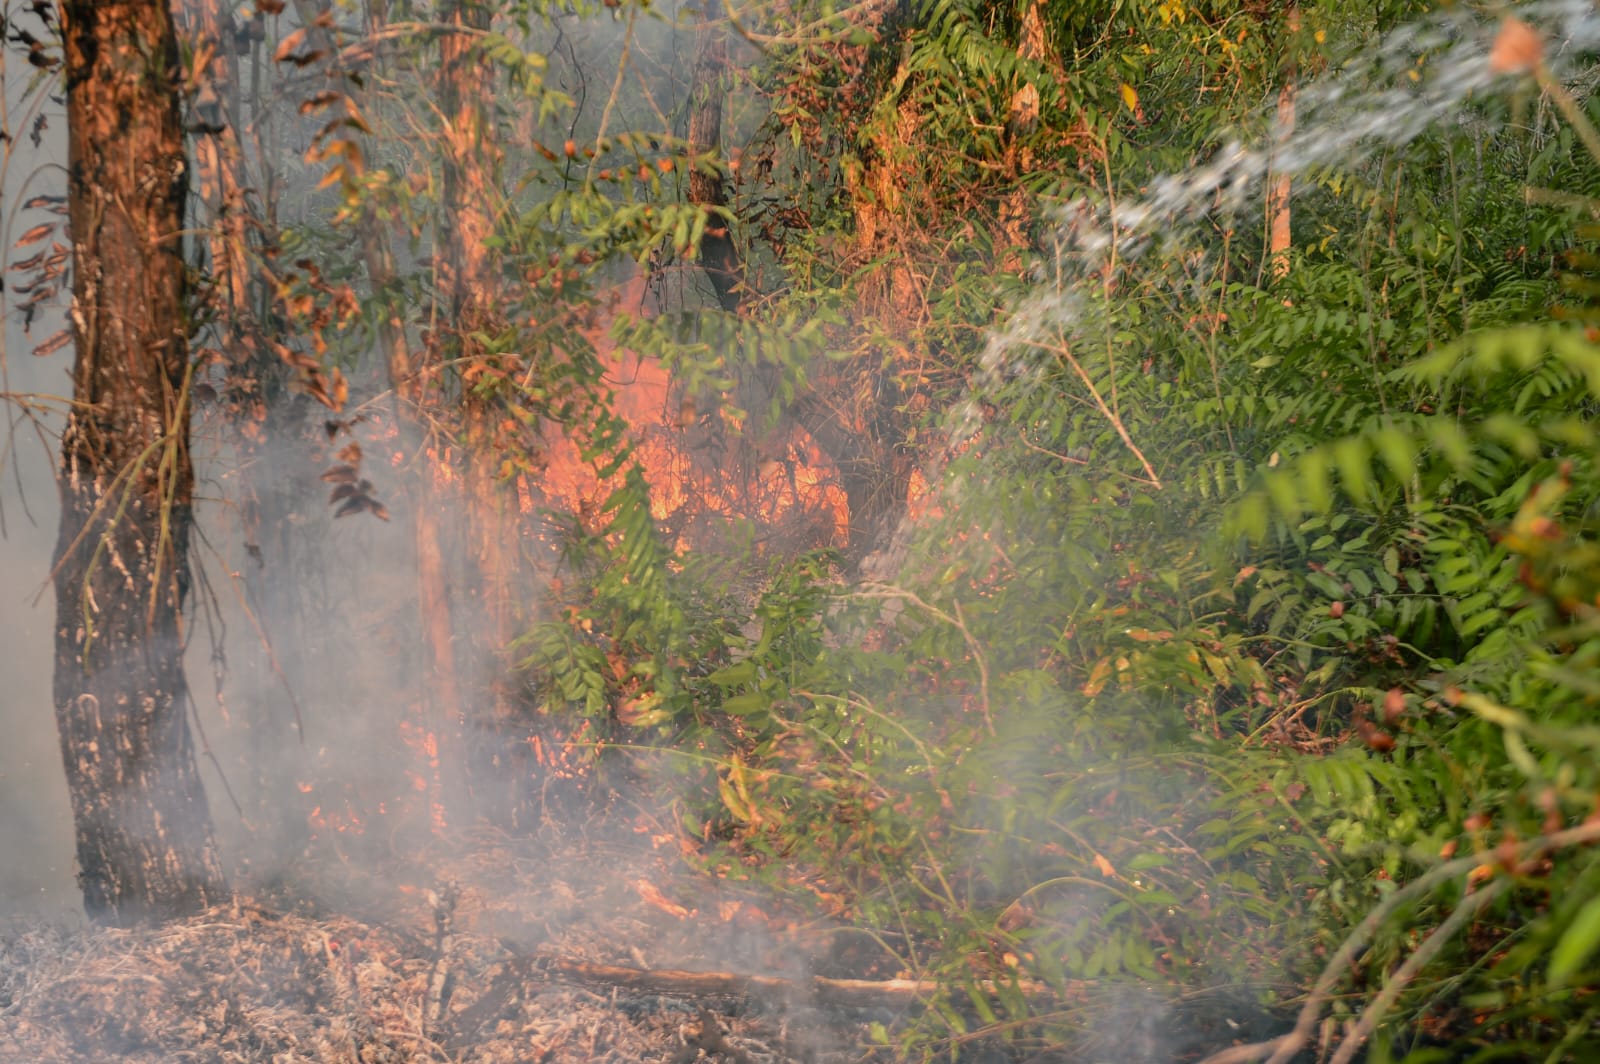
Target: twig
<point x="1373" y="1014"/>
<point x="1110" y="415"/>
<point x="1248" y="1053"/>
<point x="876" y="590"/>
<point x="1286" y="1046"/>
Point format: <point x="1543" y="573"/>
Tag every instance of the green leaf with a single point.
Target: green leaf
<point x="1577" y="943"/>
<point x="734" y="675"/>
<point x="745" y="704"/>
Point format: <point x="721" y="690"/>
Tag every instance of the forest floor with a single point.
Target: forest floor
<point x="489" y="949"/>
<point x="584" y="948"/>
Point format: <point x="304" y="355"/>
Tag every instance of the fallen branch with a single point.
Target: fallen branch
<point x="859" y="993"/>
<point x="444" y="911"/>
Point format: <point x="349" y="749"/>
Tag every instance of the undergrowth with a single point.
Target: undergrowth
<point x="1305" y="716"/>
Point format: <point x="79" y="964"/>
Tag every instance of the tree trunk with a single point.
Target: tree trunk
<point x="1278" y="236"/>
<point x="473" y="293"/>
<point x="1017" y="208"/>
<point x="414" y="386"/>
<point x="719" y="255"/>
<point x="259" y="406"/>
<point x="862" y="423"/>
<point x="144" y="839"/>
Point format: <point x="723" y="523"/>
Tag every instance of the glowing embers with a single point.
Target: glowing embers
<point x="560" y="756"/>
<point x="325" y="819"/>
<point x="423" y="774"/>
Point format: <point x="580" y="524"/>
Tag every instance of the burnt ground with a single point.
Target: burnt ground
<point x="491" y="950"/>
<point x="494" y="949"/>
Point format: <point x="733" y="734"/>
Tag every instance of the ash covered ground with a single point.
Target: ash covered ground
<point x="489" y="950"/>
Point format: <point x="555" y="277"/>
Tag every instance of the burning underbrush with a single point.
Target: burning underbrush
<point x="495" y="951"/>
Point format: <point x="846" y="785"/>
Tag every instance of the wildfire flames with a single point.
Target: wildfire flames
<point x="779" y="477"/>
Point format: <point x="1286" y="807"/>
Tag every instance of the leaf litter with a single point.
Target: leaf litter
<point x="493" y="950"/>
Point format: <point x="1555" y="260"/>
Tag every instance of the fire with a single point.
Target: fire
<point x="345" y="821"/>
<point x="685" y="454"/>
<point x="561" y="759"/>
<point x="704" y="465"/>
<point x="424" y="776"/>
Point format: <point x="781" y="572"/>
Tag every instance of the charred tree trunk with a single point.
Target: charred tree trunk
<point x="864" y="442"/>
<point x="144" y="837"/>
<point x="862" y="422"/>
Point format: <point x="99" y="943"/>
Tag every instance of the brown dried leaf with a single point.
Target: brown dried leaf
<point x="36" y="234"/>
<point x="320" y="100"/>
<point x="289" y="45"/>
<point x="55" y="343"/>
<point x="342" y="474"/>
<point x="351" y="453"/>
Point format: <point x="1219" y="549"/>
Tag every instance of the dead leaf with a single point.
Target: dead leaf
<point x="55" y="343"/>
<point x="36" y="234"/>
<point x="651" y="896"/>
<point x="318" y="101"/>
<point x="289" y="44"/>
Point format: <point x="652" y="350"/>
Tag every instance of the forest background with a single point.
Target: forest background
<point x="1090" y="496"/>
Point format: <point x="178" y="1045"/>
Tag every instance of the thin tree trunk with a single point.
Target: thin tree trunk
<point x="1278" y="208"/>
<point x="415" y="390"/>
<point x="259" y="408"/>
<point x="1016" y="210"/>
<point x="473" y="293"/>
<point x="144" y="837"/>
<point x="442" y="698"/>
<point x="719" y="255"/>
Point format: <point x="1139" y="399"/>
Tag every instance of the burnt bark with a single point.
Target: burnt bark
<point x="144" y="838"/>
